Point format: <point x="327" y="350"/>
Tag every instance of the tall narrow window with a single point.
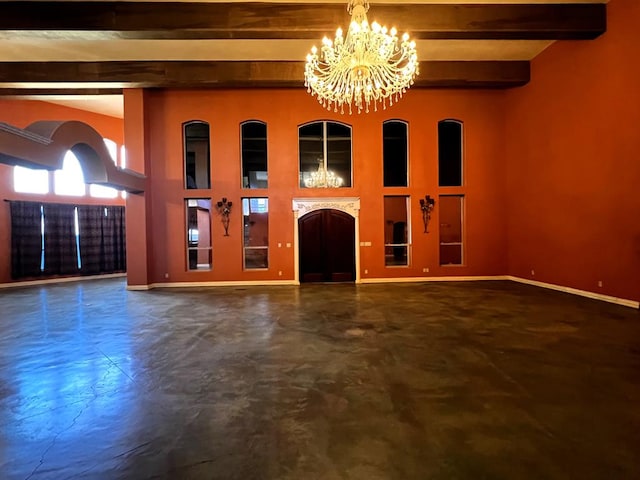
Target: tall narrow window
<point x="325" y="155"/>
<point x="196" y="155"/>
<point x="396" y="231"/>
<point x="394" y="153"/>
<point x="100" y="191"/>
<point x="28" y="180"/>
<point x="254" y="154"/>
<point x="450" y="153"/>
<point x="198" y="233"/>
<point x="70" y="180"/>
<point x="450" y="215"/>
<point x="255" y="212"/>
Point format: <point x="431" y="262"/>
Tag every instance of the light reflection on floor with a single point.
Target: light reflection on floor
<point x="403" y="381"/>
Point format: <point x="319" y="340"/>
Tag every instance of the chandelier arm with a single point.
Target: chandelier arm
<point x="366" y="66"/>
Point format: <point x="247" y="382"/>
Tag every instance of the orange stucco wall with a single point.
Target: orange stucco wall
<point x="551" y="172"/>
<point x="573" y="162"/>
<point x="21" y="113"/>
<point x="284" y="110"/>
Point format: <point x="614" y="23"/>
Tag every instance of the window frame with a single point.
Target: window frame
<point x="186" y="186"/>
<point x="441" y="160"/>
<point x="188" y="235"/>
<point x="406" y="159"/>
<point x="325" y="151"/>
<point x="242" y="154"/>
<point x="407" y="244"/>
<point x="246" y="235"/>
<point x="462" y="242"/>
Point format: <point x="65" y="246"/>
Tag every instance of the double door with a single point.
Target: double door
<point x="327" y="246"/>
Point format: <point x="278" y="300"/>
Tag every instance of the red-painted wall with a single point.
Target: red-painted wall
<point x="21" y="113"/>
<point x="284" y="110"/>
<point x="573" y="162"/>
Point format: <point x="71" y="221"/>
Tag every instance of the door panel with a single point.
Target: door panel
<point x="310" y="232"/>
<point x="327" y="247"/>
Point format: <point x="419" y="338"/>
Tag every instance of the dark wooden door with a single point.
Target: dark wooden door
<point x="327" y="246"/>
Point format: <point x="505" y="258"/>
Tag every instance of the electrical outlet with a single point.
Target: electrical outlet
<point x="280" y="273"/>
<point x="425" y="270"/>
<point x="533" y="272"/>
<point x="366" y="271"/>
<point x="166" y="275"/>
<point x="600" y="283"/>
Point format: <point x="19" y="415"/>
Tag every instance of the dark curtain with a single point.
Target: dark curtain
<point x="60" y="254"/>
<point x="102" y="239"/>
<point x="90" y="228"/>
<point x="26" y="239"/>
<point x="115" y="259"/>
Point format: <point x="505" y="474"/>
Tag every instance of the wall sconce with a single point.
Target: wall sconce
<point x="224" y="210"/>
<point x="426" y="205"/>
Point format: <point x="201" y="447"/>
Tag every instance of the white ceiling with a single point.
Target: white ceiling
<point x="39" y="50"/>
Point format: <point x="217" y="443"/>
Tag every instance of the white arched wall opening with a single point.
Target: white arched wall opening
<point x="302" y="206"/>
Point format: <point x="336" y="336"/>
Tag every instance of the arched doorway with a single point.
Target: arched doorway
<point x="338" y="228"/>
<point x="327" y="246"/>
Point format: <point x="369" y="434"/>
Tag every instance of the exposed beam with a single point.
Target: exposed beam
<point x="52" y="92"/>
<point x="185" y="20"/>
<point x="179" y="74"/>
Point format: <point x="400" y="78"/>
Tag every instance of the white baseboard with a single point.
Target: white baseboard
<point x="49" y="281"/>
<point x="238" y="283"/>
<point x="575" y="291"/>
<point x="432" y="279"/>
<point x="140" y="288"/>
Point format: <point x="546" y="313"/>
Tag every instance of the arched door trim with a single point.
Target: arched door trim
<point x="303" y="206"/>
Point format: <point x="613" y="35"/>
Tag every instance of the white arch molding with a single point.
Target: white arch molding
<point x="303" y="206"/>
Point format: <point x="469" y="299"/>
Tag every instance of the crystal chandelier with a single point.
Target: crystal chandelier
<point x="368" y="66"/>
<point x="323" y="178"/>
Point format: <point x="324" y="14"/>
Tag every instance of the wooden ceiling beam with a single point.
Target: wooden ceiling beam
<point x="181" y="74"/>
<point x="184" y="20"/>
<point x="52" y="92"/>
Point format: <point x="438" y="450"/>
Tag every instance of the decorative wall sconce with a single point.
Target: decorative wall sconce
<point x="224" y="210"/>
<point x="426" y="205"/>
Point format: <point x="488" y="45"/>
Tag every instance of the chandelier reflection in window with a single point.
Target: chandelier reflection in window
<point x="323" y="178"/>
<point x="368" y="66"/>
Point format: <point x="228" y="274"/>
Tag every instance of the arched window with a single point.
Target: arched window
<point x="100" y="191"/>
<point x="253" y="139"/>
<point x="451" y="204"/>
<point x="450" y="153"/>
<point x="325" y="152"/>
<point x="69" y="180"/>
<point x="395" y="149"/>
<point x="197" y="172"/>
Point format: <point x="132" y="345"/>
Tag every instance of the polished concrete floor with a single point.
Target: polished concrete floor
<point x="479" y="380"/>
